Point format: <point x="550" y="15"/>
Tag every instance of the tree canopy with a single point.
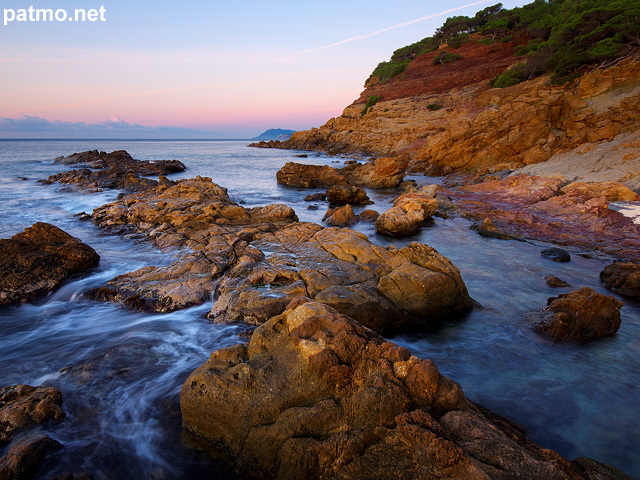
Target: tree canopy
<point x="555" y="36"/>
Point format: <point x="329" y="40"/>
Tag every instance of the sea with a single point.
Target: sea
<point x="120" y="371"/>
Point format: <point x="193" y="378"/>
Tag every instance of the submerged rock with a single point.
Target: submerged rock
<point x="22" y="407"/>
<point x="556" y="254"/>
<point x="486" y="228"/>
<point x="622" y="278"/>
<point x="555" y="282"/>
<point x="316" y="395"/>
<point x="38" y="260"/>
<point x="579" y="316"/>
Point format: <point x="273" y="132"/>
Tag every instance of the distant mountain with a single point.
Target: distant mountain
<point x="274" y="134"/>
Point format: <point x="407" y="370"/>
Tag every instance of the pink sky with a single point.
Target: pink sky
<point x="211" y="67"/>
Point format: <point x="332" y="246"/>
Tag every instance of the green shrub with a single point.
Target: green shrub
<point x="459" y="40"/>
<point x="510" y="77"/>
<point x="373" y="99"/>
<point x="386" y="70"/>
<point x="563" y="36"/>
<point x="445" y="57"/>
<point x="434" y="106"/>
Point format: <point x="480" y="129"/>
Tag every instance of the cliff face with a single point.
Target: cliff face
<point x="447" y="117"/>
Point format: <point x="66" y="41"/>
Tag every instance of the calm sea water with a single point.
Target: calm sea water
<point x="121" y="371"/>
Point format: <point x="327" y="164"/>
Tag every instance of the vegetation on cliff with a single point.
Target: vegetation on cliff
<point x="554" y="36"/>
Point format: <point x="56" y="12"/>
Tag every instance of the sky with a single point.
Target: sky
<point x="232" y="69"/>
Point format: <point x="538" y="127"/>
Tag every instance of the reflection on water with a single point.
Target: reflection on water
<point x="121" y="371"/>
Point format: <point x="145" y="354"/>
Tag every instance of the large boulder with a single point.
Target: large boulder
<point x="401" y="221"/>
<point x="383" y="172"/>
<point x="622" y="278"/>
<point x="309" y="176"/>
<point x="22" y="407"/>
<point x="38" y="260"/>
<point x="407" y="215"/>
<point x="24" y="456"/>
<point x="316" y="395"/>
<point x="579" y="316"/>
<point x="387" y="289"/>
<point x="347" y="194"/>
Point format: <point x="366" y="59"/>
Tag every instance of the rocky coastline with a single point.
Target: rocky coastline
<point x="317" y="391"/>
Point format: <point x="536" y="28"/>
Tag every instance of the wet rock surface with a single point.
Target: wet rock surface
<point x="555" y="282"/>
<point x="622" y="278"/>
<point x="386" y="289"/>
<point x="25" y="455"/>
<point x="39" y="260"/>
<point x="255" y="260"/>
<point x="536" y="208"/>
<point x="22" y="407"/>
<point x="314" y="394"/>
<point x="580" y="316"/>
<point x="196" y="214"/>
<point x="556" y="254"/>
<point x="114" y="170"/>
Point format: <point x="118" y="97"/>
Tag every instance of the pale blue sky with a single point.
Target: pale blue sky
<point x="235" y="68"/>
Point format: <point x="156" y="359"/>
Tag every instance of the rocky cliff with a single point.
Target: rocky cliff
<point x="446" y="117"/>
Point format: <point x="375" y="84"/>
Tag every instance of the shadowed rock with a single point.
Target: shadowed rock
<point x="556" y="254"/>
<point x="24" y="457"/>
<point x="622" y="278"/>
<point x="23" y="406"/>
<point x="579" y="316"/>
<point x="114" y="170"/>
<point x="38" y="260"/>
<point x="384" y="172"/>
<point x="347" y="194"/>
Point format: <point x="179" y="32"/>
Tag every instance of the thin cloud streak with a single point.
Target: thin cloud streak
<point x="399" y="25"/>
